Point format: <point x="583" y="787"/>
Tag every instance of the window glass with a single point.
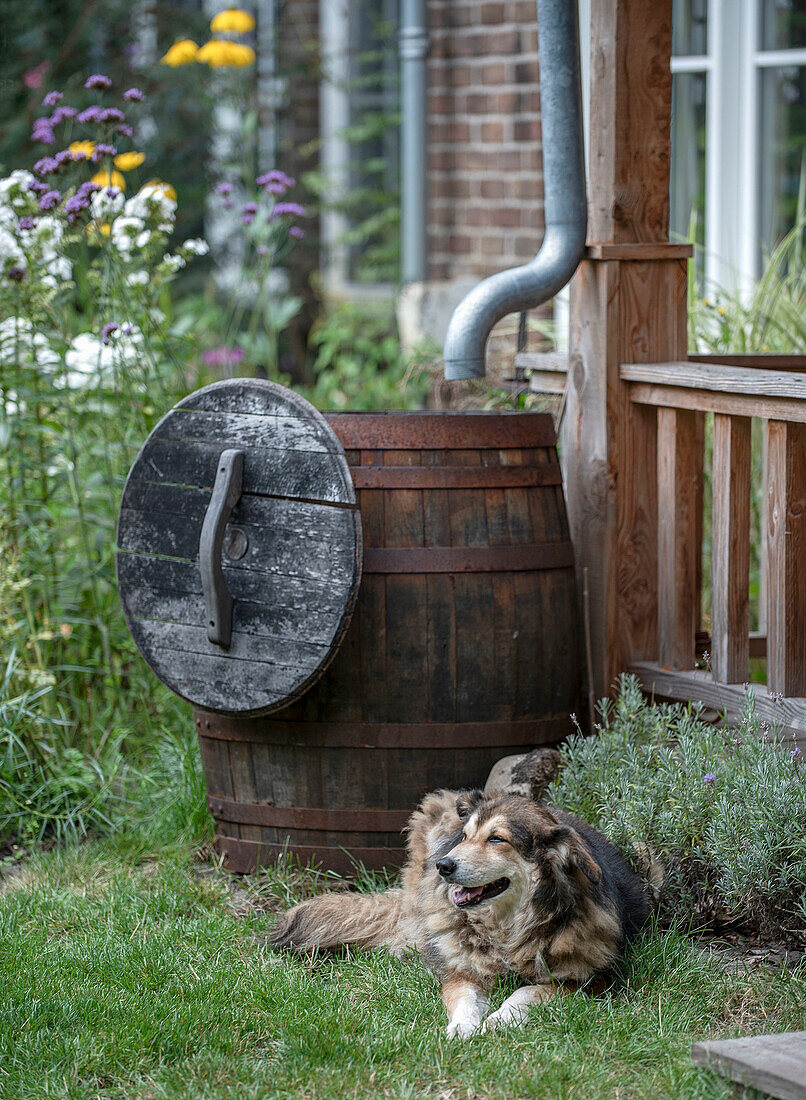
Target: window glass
<point x="782" y="151"/>
<point x="689" y="28"/>
<point x="688" y="157"/>
<point x="783" y="24"/>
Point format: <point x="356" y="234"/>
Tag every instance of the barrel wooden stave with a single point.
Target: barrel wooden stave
<point x="438" y="650"/>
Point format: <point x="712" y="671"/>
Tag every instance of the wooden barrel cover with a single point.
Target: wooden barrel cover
<point x="290" y="550"/>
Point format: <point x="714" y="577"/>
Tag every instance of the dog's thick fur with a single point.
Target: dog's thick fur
<point x="562" y="921"/>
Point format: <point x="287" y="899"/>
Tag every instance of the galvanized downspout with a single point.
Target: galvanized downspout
<point x="565" y="203"/>
<point x="413" y="49"/>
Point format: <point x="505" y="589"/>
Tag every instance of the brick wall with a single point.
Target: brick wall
<point x="484" y="162"/>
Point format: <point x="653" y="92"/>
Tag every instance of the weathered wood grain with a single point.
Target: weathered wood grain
<point x="792" y="410"/>
<point x="293" y="573"/>
<point x="786" y="558"/>
<point x="773" y="1064"/>
<point x="718" y="378"/>
<point x="730" y="641"/>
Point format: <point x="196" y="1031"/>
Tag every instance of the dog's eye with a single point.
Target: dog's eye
<point x="464" y="835"/>
<point x="495" y="840"/>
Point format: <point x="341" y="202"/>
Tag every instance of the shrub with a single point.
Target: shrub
<point x="723" y="809"/>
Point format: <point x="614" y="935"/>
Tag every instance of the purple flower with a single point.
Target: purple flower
<point x="52" y="98"/>
<point x="275" y="187"/>
<point x="247" y="217"/>
<point x="15" y="273"/>
<point x="102" y="150"/>
<point x="133" y="95"/>
<point x="27" y="222"/>
<point x="709" y="777"/>
<point x="97" y="80"/>
<point x="262" y="250"/>
<point x="43" y="132"/>
<point x="75" y="205"/>
<point x="796" y="752"/>
<point x="295" y="231"/>
<point x="64" y="157"/>
<point x="45" y="166"/>
<point x="90" y="114"/>
<point x="275" y="176"/>
<point x="38" y="187"/>
<point x="291" y="208"/>
<point x="125" y="129"/>
<point x="250" y="208"/>
<point x="107" y="330"/>
<point x="61" y="113"/>
<point x="88" y="188"/>
<point x="224" y="189"/>
<point x="50" y="199"/>
<point x="111" y="114"/>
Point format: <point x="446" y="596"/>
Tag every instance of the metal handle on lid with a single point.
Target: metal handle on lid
<point x="217" y="599"/>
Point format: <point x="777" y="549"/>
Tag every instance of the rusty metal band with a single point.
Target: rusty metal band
<point x="455" y="477"/>
<point x="421" y="736"/>
<point x="306" y="817"/>
<point x="402" y="431"/>
<point x="469" y="559"/>
<point x="247" y="855"/>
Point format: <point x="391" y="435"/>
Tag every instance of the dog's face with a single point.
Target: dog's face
<point x="509" y="845"/>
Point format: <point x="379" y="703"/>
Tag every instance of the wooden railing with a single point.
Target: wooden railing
<point x="735" y="388"/>
<point x="682" y="393"/>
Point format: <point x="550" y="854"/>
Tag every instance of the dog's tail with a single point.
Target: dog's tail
<point x="331" y="920"/>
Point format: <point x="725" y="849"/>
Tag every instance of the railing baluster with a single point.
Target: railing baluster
<point x="730" y="637"/>
<point x="679" y="475"/>
<point x="786" y="557"/>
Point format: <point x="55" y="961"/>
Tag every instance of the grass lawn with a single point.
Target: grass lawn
<point x="129" y="974"/>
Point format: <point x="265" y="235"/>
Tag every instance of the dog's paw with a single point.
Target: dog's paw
<point x="464" y="1026"/>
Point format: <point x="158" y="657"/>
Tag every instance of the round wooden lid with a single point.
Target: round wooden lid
<point x="239" y="547"/>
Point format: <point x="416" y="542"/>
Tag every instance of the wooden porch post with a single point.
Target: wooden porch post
<point x="628" y="304"/>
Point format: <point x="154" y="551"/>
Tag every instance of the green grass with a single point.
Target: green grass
<point x="125" y="973"/>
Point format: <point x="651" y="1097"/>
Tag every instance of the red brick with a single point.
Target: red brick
<point x="526" y="129"/>
<point x="492" y="132"/>
<point x="492" y="13"/>
<point x="493" y="189"/>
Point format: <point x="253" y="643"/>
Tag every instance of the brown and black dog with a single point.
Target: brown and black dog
<point x="492" y="885"/>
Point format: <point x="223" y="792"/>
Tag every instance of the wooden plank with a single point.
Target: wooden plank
<point x="631" y="95"/>
<point x="542" y="361"/>
<point x="773" y="1064"/>
<point x="760" y="361"/>
<point x="730" y="642"/>
<point x="792" y="410"/>
<point x="678" y="477"/>
<point x="789" y="714"/>
<point x="662" y="250"/>
<point x="718" y="378"/>
<point x="786" y="558"/>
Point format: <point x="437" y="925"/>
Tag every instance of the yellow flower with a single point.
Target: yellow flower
<point x="182" y="52"/>
<point x="106" y="230"/>
<point x="65" y="629"/>
<point x="126" y="161"/>
<point x="109" y="179"/>
<point x="233" y="19"/>
<point x="169" y="191"/>
<point x="220" y="52"/>
<point x="83" y="147"/>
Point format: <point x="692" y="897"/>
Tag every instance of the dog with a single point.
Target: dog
<point x="492" y="884"/>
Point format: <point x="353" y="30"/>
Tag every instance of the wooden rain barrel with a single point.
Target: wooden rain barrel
<point x="463" y="646"/>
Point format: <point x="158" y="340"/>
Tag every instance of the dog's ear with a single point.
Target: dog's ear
<point x="466" y="803"/>
<point x="571" y="851"/>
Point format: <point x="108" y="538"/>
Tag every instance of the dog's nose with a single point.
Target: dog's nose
<point x="446" y="866"/>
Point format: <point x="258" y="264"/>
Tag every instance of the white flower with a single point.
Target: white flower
<point x="137" y="278"/>
<point x="19" y="180"/>
<point x="89" y="359"/>
<point x="196" y="246"/>
<point x="58" y="270"/>
<point x="143" y="238"/>
<point x="11" y="255"/>
<point x="151" y="202"/>
<point x="124" y="232"/>
<point x="104" y="204"/>
<point x="171" y="263"/>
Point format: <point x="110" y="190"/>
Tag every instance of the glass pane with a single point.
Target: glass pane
<point x="688" y="157"/>
<point x="783" y="24"/>
<point x="689" y="28"/>
<point x="782" y="151"/>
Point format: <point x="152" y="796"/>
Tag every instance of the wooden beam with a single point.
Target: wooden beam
<point x="718" y="378"/>
<point x="730" y="642"/>
<point x="772" y="1064"/>
<point x="655" y="251"/>
<point x="678" y="596"/>
<point x="792" y="410"/>
<point x="760" y="361"/>
<point x="786" y="558"/>
<point x="697" y="685"/>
